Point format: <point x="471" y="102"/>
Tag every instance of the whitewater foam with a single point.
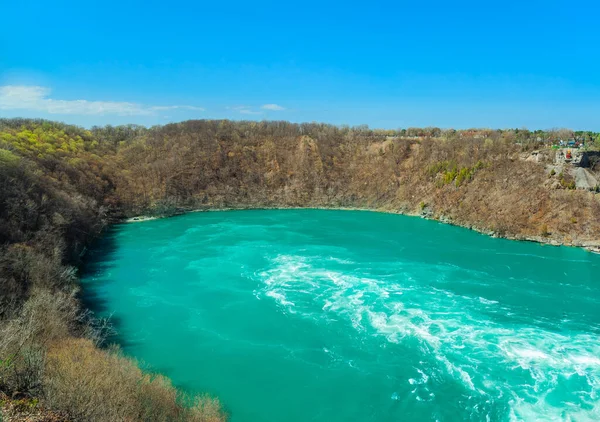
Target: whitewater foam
<point x="452" y="329"/>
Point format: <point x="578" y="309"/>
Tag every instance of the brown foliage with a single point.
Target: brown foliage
<point x="474" y="178"/>
<point x="95" y="385"/>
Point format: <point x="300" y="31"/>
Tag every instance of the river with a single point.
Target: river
<point x="316" y="315"/>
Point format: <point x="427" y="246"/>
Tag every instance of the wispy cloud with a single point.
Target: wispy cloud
<point x="272" y="107"/>
<point x="243" y="109"/>
<point x="176" y="107"/>
<point x="246" y="111"/>
<point x="37" y="98"/>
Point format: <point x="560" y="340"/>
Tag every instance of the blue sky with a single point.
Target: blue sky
<point x="393" y="64"/>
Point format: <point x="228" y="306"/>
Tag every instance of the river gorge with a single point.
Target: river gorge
<point x="321" y="315"/>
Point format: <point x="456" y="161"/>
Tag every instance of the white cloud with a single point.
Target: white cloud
<point x="36" y="98"/>
<point x="247" y="111"/>
<point x="244" y="110"/>
<point x="175" y="107"/>
<point x="272" y="107"/>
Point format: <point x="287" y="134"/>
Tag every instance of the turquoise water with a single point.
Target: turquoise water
<point x="313" y="315"/>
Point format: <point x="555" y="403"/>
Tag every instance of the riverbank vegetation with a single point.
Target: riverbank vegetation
<point x="61" y="185"/>
<point x="57" y="193"/>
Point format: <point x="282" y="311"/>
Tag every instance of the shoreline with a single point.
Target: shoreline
<point x="592" y="248"/>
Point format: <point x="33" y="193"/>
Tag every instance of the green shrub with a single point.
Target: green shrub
<point x="8" y="158"/>
<point x="449" y="176"/>
<point x="464" y="174"/>
<point x="567" y="184"/>
<point x="451" y="172"/>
